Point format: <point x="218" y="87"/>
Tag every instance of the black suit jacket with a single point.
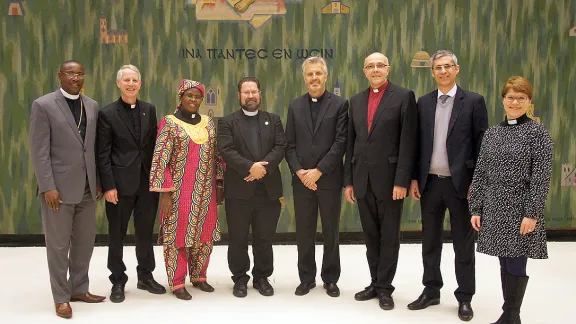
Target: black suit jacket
<point x="468" y="122"/>
<point x="233" y="133"/>
<point x="120" y="157"/>
<point x="319" y="146"/>
<point x="386" y="154"/>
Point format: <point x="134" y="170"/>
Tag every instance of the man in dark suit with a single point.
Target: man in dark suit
<point x="127" y="131"/>
<point x="62" y="141"/>
<point x="382" y="132"/>
<point x="252" y="143"/>
<point x="452" y="122"/>
<point x="314" y="155"/>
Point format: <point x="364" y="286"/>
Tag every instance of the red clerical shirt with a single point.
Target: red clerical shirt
<point x="373" y="102"/>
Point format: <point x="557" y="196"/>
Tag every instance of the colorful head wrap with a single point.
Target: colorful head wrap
<point x="189" y="84"/>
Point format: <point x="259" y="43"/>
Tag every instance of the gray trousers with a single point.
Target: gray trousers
<point x="69" y="233"/>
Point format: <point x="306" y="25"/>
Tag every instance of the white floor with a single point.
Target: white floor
<point x="25" y="294"/>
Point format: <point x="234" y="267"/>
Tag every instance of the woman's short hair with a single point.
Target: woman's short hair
<point x="518" y="84"/>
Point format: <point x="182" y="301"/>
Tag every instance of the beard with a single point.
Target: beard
<point x="250" y="105"/>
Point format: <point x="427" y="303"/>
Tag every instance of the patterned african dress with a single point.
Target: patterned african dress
<point x="186" y="163"/>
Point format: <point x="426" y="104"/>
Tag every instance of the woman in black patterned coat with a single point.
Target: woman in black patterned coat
<point x="509" y="192"/>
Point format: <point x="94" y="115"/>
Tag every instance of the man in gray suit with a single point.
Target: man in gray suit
<point x="62" y="144"/>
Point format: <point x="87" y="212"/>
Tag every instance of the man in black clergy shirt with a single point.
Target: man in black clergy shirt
<point x="314" y="155"/>
<point x="127" y="131"/>
<point x="252" y="143"/>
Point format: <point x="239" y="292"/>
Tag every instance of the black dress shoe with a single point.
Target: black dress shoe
<point x="423" y="301"/>
<point x="304" y="288"/>
<point x="332" y="289"/>
<point x="465" y="311"/>
<point x="151" y="286"/>
<point x="117" y="293"/>
<point x="182" y="293"/>
<point x="240" y="289"/>
<point x="204" y="286"/>
<point x="385" y="301"/>
<point x="263" y="287"/>
<point x="366" y="294"/>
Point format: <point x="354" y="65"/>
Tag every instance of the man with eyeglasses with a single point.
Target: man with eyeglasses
<point x="62" y="142"/>
<point x="382" y="129"/>
<point x="252" y="143"/>
<point x="452" y="123"/>
<point x="127" y="130"/>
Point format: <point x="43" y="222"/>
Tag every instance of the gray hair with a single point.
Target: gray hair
<point x="315" y="60"/>
<point x="129" y="67"/>
<point x="442" y="53"/>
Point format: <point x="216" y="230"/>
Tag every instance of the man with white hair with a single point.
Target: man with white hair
<point x="314" y="155"/>
<point x="127" y="131"/>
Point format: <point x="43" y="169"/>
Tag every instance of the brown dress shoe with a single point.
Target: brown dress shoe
<point x="182" y="293"/>
<point x="64" y="310"/>
<point x="204" y="286"/>
<point x="88" y="298"/>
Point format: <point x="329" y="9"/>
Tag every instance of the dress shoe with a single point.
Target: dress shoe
<point x="366" y="294"/>
<point x="64" y="310"/>
<point x="465" y="311"/>
<point x="117" y="293"/>
<point x="152" y="286"/>
<point x="263" y="287"/>
<point x="204" y="286"/>
<point x="304" y="288"/>
<point x="182" y="293"/>
<point x="240" y="289"/>
<point x="88" y="298"/>
<point x="423" y="301"/>
<point x="385" y="301"/>
<point x="332" y="289"/>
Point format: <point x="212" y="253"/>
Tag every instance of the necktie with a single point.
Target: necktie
<point x="443" y="98"/>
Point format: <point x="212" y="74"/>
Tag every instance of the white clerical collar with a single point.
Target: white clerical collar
<point x="512" y="121"/>
<point x="132" y="106"/>
<point x="193" y="115"/>
<point x="250" y="113"/>
<point x="69" y="96"/>
<point x="451" y="93"/>
<point x="314" y="99"/>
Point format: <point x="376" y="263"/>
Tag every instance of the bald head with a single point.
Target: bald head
<point x="376" y="69"/>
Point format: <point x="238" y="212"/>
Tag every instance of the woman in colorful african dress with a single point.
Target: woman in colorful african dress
<point x="188" y="171"/>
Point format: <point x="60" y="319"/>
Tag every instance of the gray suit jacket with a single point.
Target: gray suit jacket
<point x="61" y="159"/>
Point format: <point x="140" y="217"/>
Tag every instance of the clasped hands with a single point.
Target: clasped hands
<point x="257" y="171"/>
<point x="309" y="177"/>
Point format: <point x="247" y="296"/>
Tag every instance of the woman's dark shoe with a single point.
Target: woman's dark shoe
<point x="203" y="285"/>
<point x="182" y="293"/>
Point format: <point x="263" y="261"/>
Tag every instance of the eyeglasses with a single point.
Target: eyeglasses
<point x="71" y="75"/>
<point x="439" y="68"/>
<point x="519" y="99"/>
<point x="193" y="97"/>
<point x="380" y="66"/>
<point x="253" y="93"/>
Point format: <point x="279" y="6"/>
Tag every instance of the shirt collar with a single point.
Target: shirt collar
<point x="250" y="113"/>
<point x="69" y="96"/>
<point x="380" y="88"/>
<point x="127" y="105"/>
<point x="451" y="93"/>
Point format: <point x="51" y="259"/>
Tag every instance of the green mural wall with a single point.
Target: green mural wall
<point x="174" y="39"/>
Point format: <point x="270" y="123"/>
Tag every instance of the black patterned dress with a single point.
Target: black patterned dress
<point x="511" y="181"/>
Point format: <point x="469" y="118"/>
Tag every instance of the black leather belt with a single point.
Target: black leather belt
<point x="438" y="176"/>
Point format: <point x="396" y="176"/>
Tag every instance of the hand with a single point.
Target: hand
<point x="528" y="225"/>
<point x="476" y="220"/>
<point x="166" y="203"/>
<point x="257" y="171"/>
<point x="219" y="193"/>
<point x="53" y="199"/>
<point x="399" y="193"/>
<point x="414" y="191"/>
<point x="469" y="191"/>
<point x="349" y="194"/>
<point x="311" y="177"/>
<point x="301" y="175"/>
<point x="99" y="194"/>
<point x="111" y="196"/>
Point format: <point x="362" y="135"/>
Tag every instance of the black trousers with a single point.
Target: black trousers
<point x="438" y="196"/>
<point x="514" y="266"/>
<point x="381" y="225"/>
<point x="306" y="204"/>
<point x="261" y="214"/>
<point x="144" y="205"/>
